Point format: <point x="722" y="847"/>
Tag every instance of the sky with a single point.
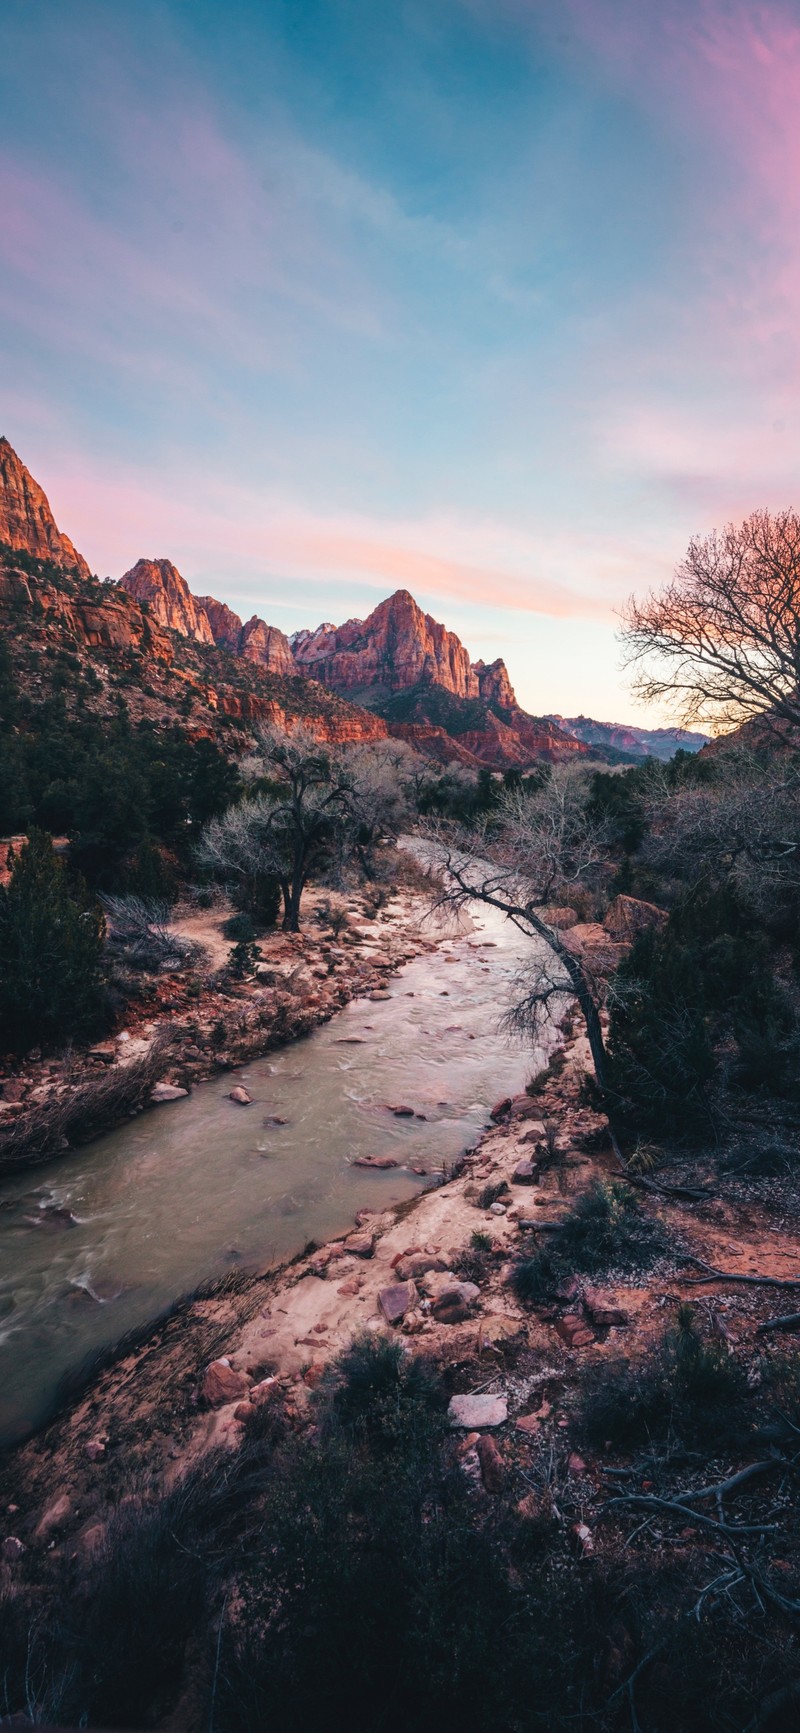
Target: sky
<point x="492" y="300"/>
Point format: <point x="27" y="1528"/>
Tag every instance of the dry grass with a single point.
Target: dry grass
<point x="77" y="1114"/>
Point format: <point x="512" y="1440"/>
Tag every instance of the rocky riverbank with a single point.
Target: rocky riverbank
<point x="434" y="1273"/>
<point x="190" y="1023"/>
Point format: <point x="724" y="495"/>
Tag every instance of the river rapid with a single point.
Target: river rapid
<point x="103" y="1240"/>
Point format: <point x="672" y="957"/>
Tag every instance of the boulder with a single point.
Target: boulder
<point x="240" y="1095"/>
<point x="416" y="1264"/>
<point x="525" y="1173"/>
<point x="362" y="1245"/>
<point x="166" y="1092"/>
<point x="501" y="1108"/>
<point x="474" y="1412"/>
<point x="221" y="1384"/>
<point x="56" y="1515"/>
<point x="629" y="916"/>
<point x="396" y="1300"/>
<point x="380" y="1161"/>
<point x="602" y="1309"/>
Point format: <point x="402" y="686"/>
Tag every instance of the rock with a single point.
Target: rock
<point x="261" y="1392"/>
<point x="362" y="1245"/>
<point x="497" y="1208"/>
<point x="376" y="997"/>
<point x="96" y="1449"/>
<point x="501" y="1108"/>
<point x="54" y="1517"/>
<point x="574" y="1332"/>
<point x="243" y="1410"/>
<point x="602" y="1308"/>
<point x="221" y="1384"/>
<point x="450" y="1310"/>
<point x="239" y="1094"/>
<point x="166" y="1092"/>
<point x="492" y="1467"/>
<point x="401" y="1112"/>
<point x="440" y="1285"/>
<point x="529" y="1508"/>
<point x="379" y="1161"/>
<point x="525" y="1173"/>
<point x="474" y="1412"/>
<point x="575" y="1463"/>
<point x="583" y="1539"/>
<point x="416" y="1264"/>
<point x="629" y="916"/>
<point x="11" y="1548"/>
<point x="396" y="1300"/>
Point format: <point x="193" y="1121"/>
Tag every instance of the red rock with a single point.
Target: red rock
<point x="491" y="1461"/>
<point x="240" y="1095"/>
<point x="361" y="1245"/>
<point x="243" y="1410"/>
<point x="525" y="1173"/>
<point x="451" y="1309"/>
<point x="12" y="1548"/>
<point x="96" y="1449"/>
<point x="395" y="1301"/>
<point x="602" y="1308"/>
<point x="381" y="1161"/>
<point x="26" y="521"/>
<point x="501" y="1108"/>
<point x="574" y="1332"/>
<point x="575" y="1463"/>
<point x="221" y="1384"/>
<point x="629" y="916"/>
<point x="584" y="1539"/>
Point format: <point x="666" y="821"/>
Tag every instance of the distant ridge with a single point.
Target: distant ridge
<point x="630" y="740"/>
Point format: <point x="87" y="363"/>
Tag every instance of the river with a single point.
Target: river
<point x="104" y="1239"/>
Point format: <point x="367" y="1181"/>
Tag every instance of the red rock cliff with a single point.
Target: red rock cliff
<point x="170" y="600"/>
<point x="396" y="647"/>
<point x="26" y="521"/>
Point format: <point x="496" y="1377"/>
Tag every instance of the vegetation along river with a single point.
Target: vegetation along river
<point x="103" y="1240"/>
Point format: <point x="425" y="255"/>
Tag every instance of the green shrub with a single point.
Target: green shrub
<point x="688" y="1388"/>
<point x="51" y="953"/>
<point x="239" y="927"/>
<point x="605" y="1229"/>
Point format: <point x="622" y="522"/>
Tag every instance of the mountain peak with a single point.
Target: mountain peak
<point x="26" y="521"/>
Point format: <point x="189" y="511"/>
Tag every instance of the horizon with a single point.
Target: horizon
<point x="465" y="299"/>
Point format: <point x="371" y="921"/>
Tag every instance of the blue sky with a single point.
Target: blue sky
<point x="490" y="299"/>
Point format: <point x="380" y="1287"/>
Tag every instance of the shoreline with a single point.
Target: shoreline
<point x="301" y="981"/>
<point x="190" y="1382"/>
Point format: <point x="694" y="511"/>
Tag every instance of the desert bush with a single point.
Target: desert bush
<point x="139" y="934"/>
<point x="688" y="1388"/>
<point x="605" y="1229"/>
<point x="240" y="928"/>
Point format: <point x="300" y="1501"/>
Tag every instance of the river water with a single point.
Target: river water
<point x="103" y="1240"/>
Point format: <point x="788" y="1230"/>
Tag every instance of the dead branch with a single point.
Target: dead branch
<point x="789" y="1321"/>
<point x="714" y="1275"/>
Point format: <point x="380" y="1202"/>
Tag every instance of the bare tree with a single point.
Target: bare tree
<point x="285" y="830"/>
<point x="540" y="850"/>
<point x="722" y="641"/>
<point x="743" y="829"/>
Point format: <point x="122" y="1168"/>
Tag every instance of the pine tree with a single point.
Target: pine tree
<point x="51" y="953"/>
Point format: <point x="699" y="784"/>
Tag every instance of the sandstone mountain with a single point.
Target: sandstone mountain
<point x="205" y="620"/>
<point x="26" y="521"/>
<point x="168" y="598"/>
<point x="419" y="677"/>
